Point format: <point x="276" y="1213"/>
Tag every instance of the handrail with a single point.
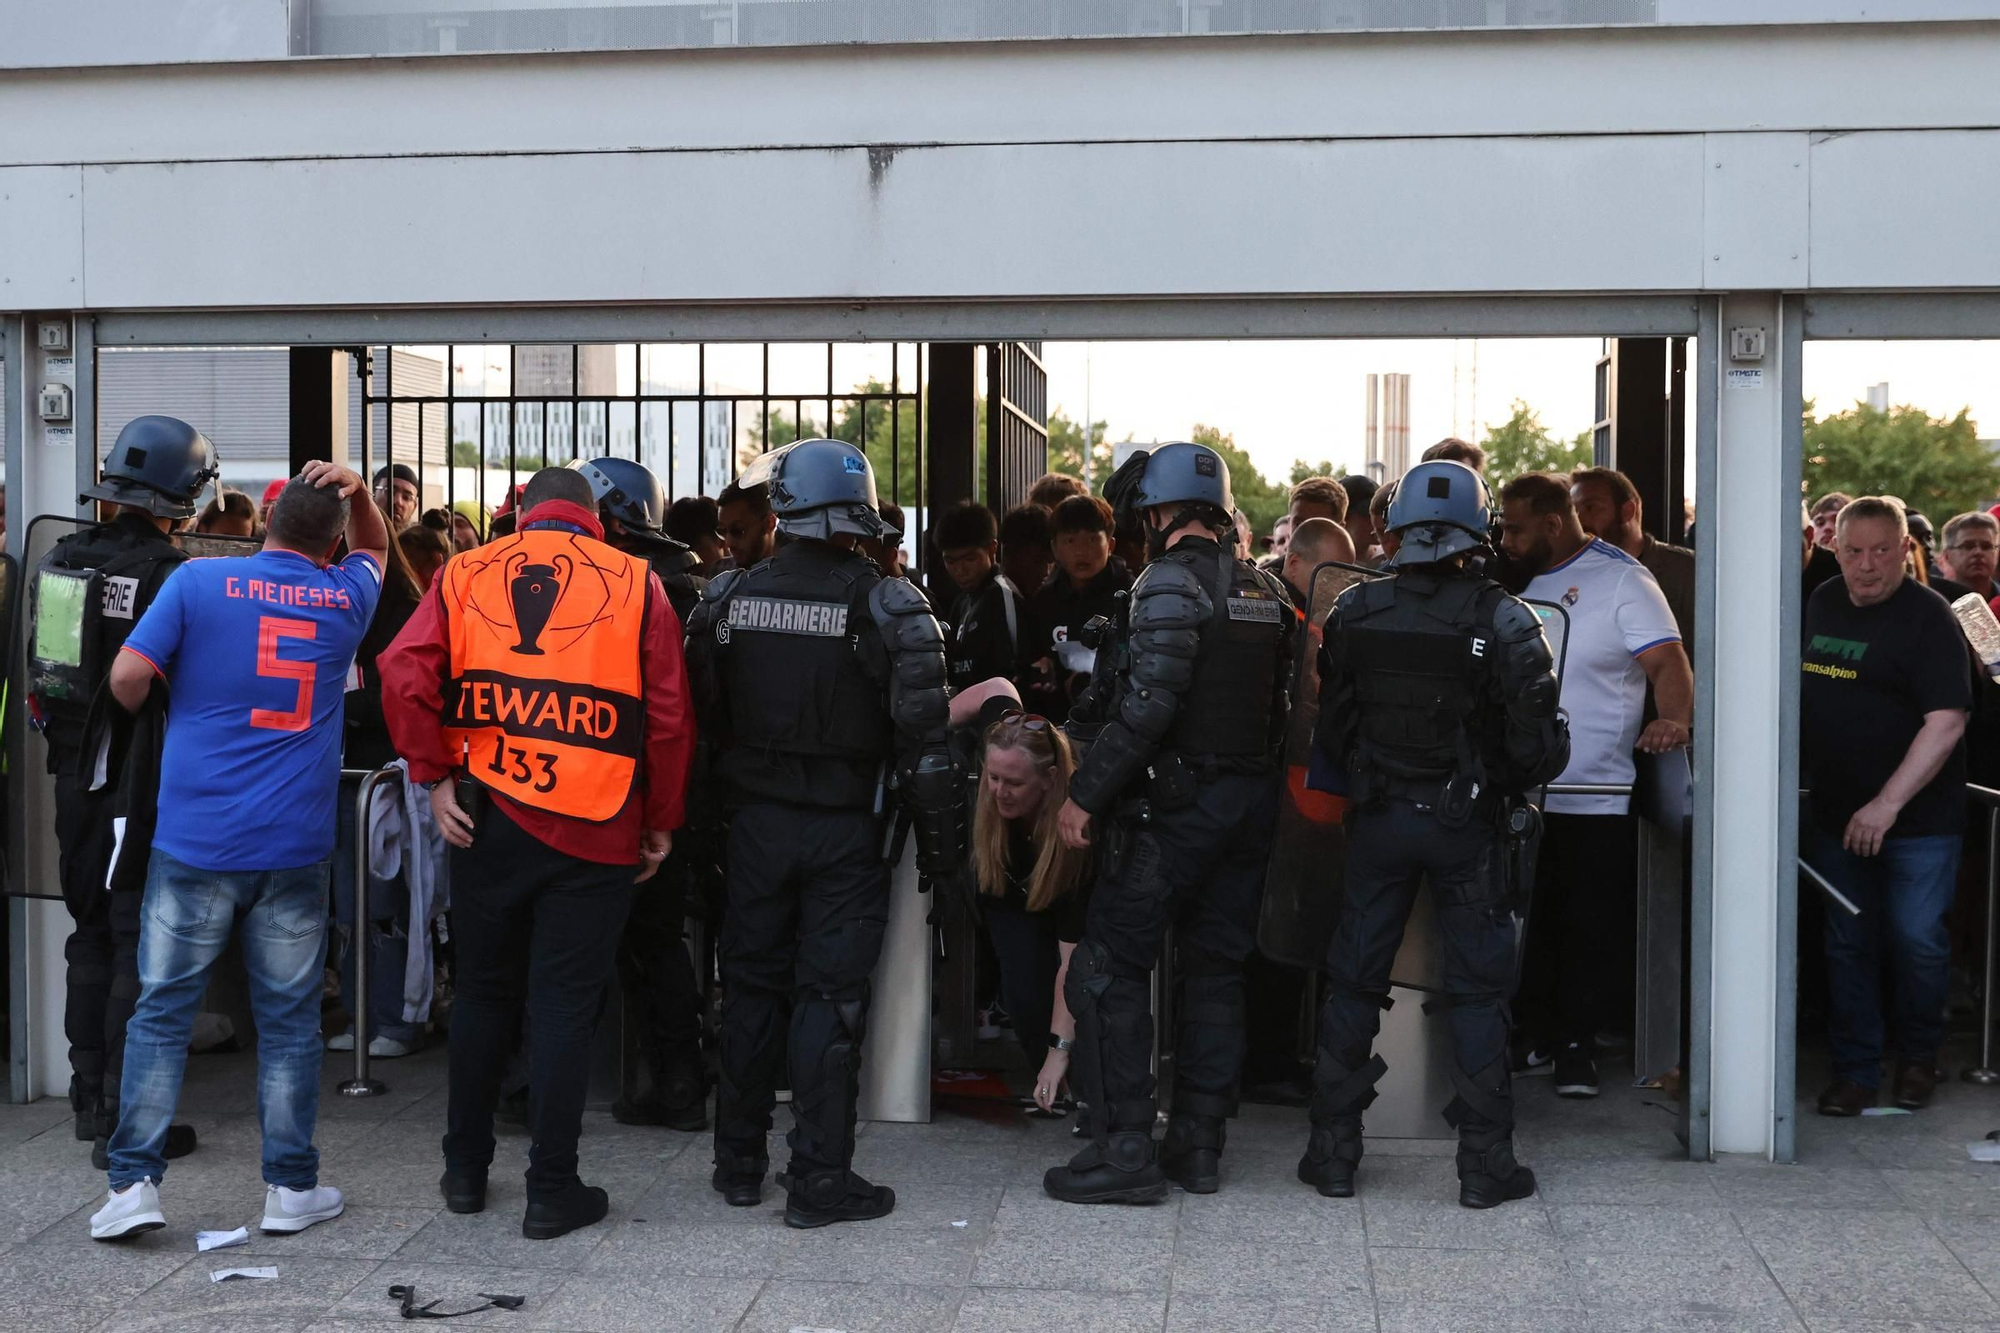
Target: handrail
<point x="362" y="1085"/>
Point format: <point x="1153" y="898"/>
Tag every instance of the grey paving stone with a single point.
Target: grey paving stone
<point x="1880" y="1265"/>
<point x="1694" y="1321"/>
<point x="1455" y="1318"/>
<point x="1607" y="1228"/>
<point x="783" y="1306"/>
<point x="863" y="1252"/>
<point x="455" y="1287"/>
<point x="1211" y="1267"/>
<point x="1763" y="1185"/>
<point x="1485" y="1279"/>
<point x="46" y="1318"/>
<point x="20" y="1122"/>
<point x="1969" y="1190"/>
<point x="1441" y="1224"/>
<point x="1011" y="1310"/>
<point x="1268" y="1314"/>
<point x="677" y="1250"/>
<point x="86" y="1273"/>
<point x="33" y="1201"/>
<point x="1609" y="1180"/>
<point x="1029" y="1208"/>
<point x="361" y="1232"/>
<point x="638" y="1303"/>
<point x="1405" y="1176"/>
<point x="493" y="1238"/>
<point x="303" y="1289"/>
<point x="1976" y="1242"/>
<point x="888" y="1162"/>
<point x="682" y="1197"/>
<point x="1729" y="1281"/>
<point x="1895" y="1326"/>
<point x="1279" y="1216"/>
<point x="1111" y="1263"/>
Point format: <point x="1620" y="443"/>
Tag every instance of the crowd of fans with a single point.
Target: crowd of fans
<point x="1891" y="700"/>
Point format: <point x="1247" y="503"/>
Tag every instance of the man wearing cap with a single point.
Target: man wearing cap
<point x="111" y="571"/>
<point x="540" y="689"/>
<point x="397" y="493"/>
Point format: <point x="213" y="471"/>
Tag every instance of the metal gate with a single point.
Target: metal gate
<point x="1017" y="414"/>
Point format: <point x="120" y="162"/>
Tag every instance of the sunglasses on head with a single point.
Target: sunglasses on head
<point x="1025" y="721"/>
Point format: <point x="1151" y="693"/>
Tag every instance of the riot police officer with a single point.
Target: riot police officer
<point x="818" y="682"/>
<point x="1438" y="700"/>
<point x="154" y="474"/>
<point x="656" y="979"/>
<point x="1180" y="778"/>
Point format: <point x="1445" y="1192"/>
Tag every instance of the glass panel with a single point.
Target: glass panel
<point x="544" y="369"/>
<point x="846" y="420"/>
<point x="590" y="439"/>
<point x="688" y="479"/>
<point x="718" y="466"/>
<point x="810" y="420"/>
<point x="597" y="367"/>
<point x="559" y="441"/>
<point x="734" y="368"/>
<point x="436" y="424"/>
<point x="861" y="366"/>
<point x="481" y="370"/>
<point x="624" y="441"/>
<point x="653" y="451"/>
<point x="798" y="368"/>
<point x="669" y="368"/>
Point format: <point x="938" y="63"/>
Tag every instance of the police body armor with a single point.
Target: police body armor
<point x="87" y="596"/>
<point x="675" y="563"/>
<point x="1443" y="694"/>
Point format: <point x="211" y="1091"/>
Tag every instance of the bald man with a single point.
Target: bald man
<point x="1314" y="542"/>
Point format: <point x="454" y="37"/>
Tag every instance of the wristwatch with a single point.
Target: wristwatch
<point x="1060" y="1043"/>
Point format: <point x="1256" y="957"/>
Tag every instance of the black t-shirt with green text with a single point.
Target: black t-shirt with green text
<point x="1868" y="676"/>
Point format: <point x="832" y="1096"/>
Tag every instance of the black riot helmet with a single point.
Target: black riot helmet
<point x="627" y="491"/>
<point x="159" y="464"/>
<point x="1441" y="508"/>
<point x="819" y="488"/>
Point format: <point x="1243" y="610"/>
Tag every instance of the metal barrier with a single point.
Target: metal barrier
<point x="362" y="1085"/>
<point x="1984" y="1072"/>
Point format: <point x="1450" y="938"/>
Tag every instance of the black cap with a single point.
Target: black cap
<point x="401" y="471"/>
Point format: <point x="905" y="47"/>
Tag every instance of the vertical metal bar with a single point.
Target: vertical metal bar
<point x="1985" y="1073"/>
<point x="20" y="924"/>
<point x="701" y="420"/>
<point x="361" y="1085"/>
<point x="1701" y="908"/>
<point x="1791" y="575"/>
<point x="917" y="500"/>
<point x="450" y="430"/>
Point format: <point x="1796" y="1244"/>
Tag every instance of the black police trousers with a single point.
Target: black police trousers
<point x="808" y="905"/>
<point x="1200" y="867"/>
<point x="103" y="948"/>
<point x="657" y="983"/>
<point x="1390" y="847"/>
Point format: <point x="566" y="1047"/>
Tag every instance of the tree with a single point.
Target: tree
<point x="1934" y="465"/>
<point x="1301" y="469"/>
<point x="1066" y="446"/>
<point x="1523" y="444"/>
<point x="1262" y="501"/>
<point x="889" y="441"/>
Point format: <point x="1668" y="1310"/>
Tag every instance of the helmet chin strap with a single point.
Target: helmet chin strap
<point x="1156" y="538"/>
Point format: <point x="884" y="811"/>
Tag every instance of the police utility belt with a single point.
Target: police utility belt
<point x="1172" y="779"/>
<point x="1456" y="801"/>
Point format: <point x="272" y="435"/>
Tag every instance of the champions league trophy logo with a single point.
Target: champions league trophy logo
<point x="532" y="592"/>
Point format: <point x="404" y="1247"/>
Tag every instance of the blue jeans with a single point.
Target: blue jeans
<point x="1904" y="893"/>
<point x="388" y="927"/>
<point x="186" y="921"/>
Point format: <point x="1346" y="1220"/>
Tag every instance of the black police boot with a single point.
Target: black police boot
<point x="1120" y="1170"/>
<point x="83" y="1105"/>
<point x="1488" y="1175"/>
<point x="464" y="1190"/>
<point x="181" y="1139"/>
<point x="739" y="1177"/>
<point x="576" y="1206"/>
<point x="1191" y="1152"/>
<point x="1333" y="1155"/>
<point x="816" y="1198"/>
<point x="678" y="1100"/>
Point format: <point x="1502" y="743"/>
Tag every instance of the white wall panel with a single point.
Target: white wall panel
<point x="41" y="238"/>
<point x="1384" y="85"/>
<point x="1906" y="210"/>
<point x="1179" y="219"/>
<point x="1755" y="207"/>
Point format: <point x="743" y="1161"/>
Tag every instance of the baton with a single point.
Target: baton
<point x="1827" y="888"/>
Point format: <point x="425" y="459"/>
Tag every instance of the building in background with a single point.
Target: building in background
<point x="1387" y="433"/>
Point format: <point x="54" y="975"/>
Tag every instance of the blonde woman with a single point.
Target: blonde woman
<point x="1030" y="884"/>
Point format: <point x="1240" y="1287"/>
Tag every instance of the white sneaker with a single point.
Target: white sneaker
<point x="344" y="1041"/>
<point x="128" y="1212"/>
<point x="288" y="1210"/>
<point x="385" y="1048"/>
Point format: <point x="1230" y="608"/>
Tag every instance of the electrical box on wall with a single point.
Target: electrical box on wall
<point x="1746" y="344"/>
<point x="55" y="402"/>
<point x="52" y="335"/>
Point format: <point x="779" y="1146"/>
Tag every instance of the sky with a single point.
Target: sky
<point x="1287" y="400"/>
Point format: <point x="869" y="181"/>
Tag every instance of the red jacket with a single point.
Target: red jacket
<point x="414" y="669"/>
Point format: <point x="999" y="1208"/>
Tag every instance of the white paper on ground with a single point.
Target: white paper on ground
<point x="1986" y="1150"/>
<point x="1883" y="1110"/>
<point x="801" y="1328"/>
<point x="221" y="1240"/>
<point x="224" y="1274"/>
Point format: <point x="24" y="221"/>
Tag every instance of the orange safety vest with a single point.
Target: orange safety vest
<point x="546" y="695"/>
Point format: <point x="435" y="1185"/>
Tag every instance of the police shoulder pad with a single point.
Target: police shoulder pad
<point x="898" y="597"/>
<point x="1513" y="618"/>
